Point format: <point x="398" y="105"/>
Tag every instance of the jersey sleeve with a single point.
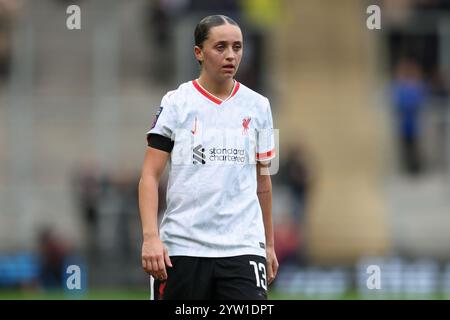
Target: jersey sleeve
<point x="265" y="145"/>
<point x="162" y="132"/>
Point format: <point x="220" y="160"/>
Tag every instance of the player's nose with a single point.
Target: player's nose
<point x="230" y="54"/>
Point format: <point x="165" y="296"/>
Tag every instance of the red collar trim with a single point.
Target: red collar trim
<point x="210" y="96"/>
<point x="235" y="90"/>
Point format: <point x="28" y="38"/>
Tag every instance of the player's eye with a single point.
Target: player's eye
<point x="237" y="47"/>
<point x="220" y="47"/>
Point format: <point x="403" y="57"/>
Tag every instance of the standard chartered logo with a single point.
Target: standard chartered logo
<point x="198" y="155"/>
<point x="227" y="155"/>
<point x="225" y="147"/>
<point x="223" y="155"/>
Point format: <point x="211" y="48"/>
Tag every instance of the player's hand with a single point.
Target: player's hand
<point x="272" y="264"/>
<point x="155" y="258"/>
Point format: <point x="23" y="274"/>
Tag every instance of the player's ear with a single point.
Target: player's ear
<point x="198" y="53"/>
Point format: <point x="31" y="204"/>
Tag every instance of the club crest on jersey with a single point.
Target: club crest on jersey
<point x="245" y="124"/>
<point x="156" y="117"/>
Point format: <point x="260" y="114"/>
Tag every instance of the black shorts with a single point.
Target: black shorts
<point x="198" y="278"/>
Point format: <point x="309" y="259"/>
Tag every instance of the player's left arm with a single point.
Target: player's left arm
<point x="264" y="192"/>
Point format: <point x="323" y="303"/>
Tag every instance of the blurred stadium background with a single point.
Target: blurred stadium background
<point x="364" y="139"/>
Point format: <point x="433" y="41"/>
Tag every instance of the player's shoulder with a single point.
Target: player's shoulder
<point x="177" y="95"/>
<point x="251" y="95"/>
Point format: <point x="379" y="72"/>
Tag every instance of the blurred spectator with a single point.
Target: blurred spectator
<point x="296" y="174"/>
<point x="287" y="242"/>
<point x="161" y="17"/>
<point x="8" y="11"/>
<point x="54" y="249"/>
<point x="409" y="95"/>
<point x="88" y="188"/>
<point x="439" y="90"/>
<point x="159" y="32"/>
<point x="127" y="188"/>
<point x="298" y="179"/>
<point x="439" y="85"/>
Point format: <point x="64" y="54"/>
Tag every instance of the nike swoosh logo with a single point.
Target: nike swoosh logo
<point x="195" y="127"/>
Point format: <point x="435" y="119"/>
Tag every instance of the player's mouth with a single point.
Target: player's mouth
<point x="228" y="67"/>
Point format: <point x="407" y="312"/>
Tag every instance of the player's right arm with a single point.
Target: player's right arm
<point x="155" y="257"/>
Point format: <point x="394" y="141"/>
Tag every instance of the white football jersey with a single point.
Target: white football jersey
<point x="212" y="205"/>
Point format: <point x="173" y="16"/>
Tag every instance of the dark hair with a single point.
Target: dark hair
<point x="203" y="27"/>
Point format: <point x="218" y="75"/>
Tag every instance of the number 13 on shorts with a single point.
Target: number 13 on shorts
<point x="261" y="280"/>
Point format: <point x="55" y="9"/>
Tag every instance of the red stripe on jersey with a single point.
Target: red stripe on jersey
<point x="210" y="96"/>
<point x="236" y="88"/>
<point x="206" y="93"/>
<point x="265" y="155"/>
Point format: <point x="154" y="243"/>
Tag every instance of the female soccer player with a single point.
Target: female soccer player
<point x="216" y="238"/>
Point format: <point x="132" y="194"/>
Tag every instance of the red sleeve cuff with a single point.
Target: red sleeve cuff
<point x="265" y="155"/>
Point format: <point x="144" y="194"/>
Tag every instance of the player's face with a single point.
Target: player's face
<point x="222" y="52"/>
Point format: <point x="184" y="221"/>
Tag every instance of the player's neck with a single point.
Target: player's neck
<point x="220" y="89"/>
